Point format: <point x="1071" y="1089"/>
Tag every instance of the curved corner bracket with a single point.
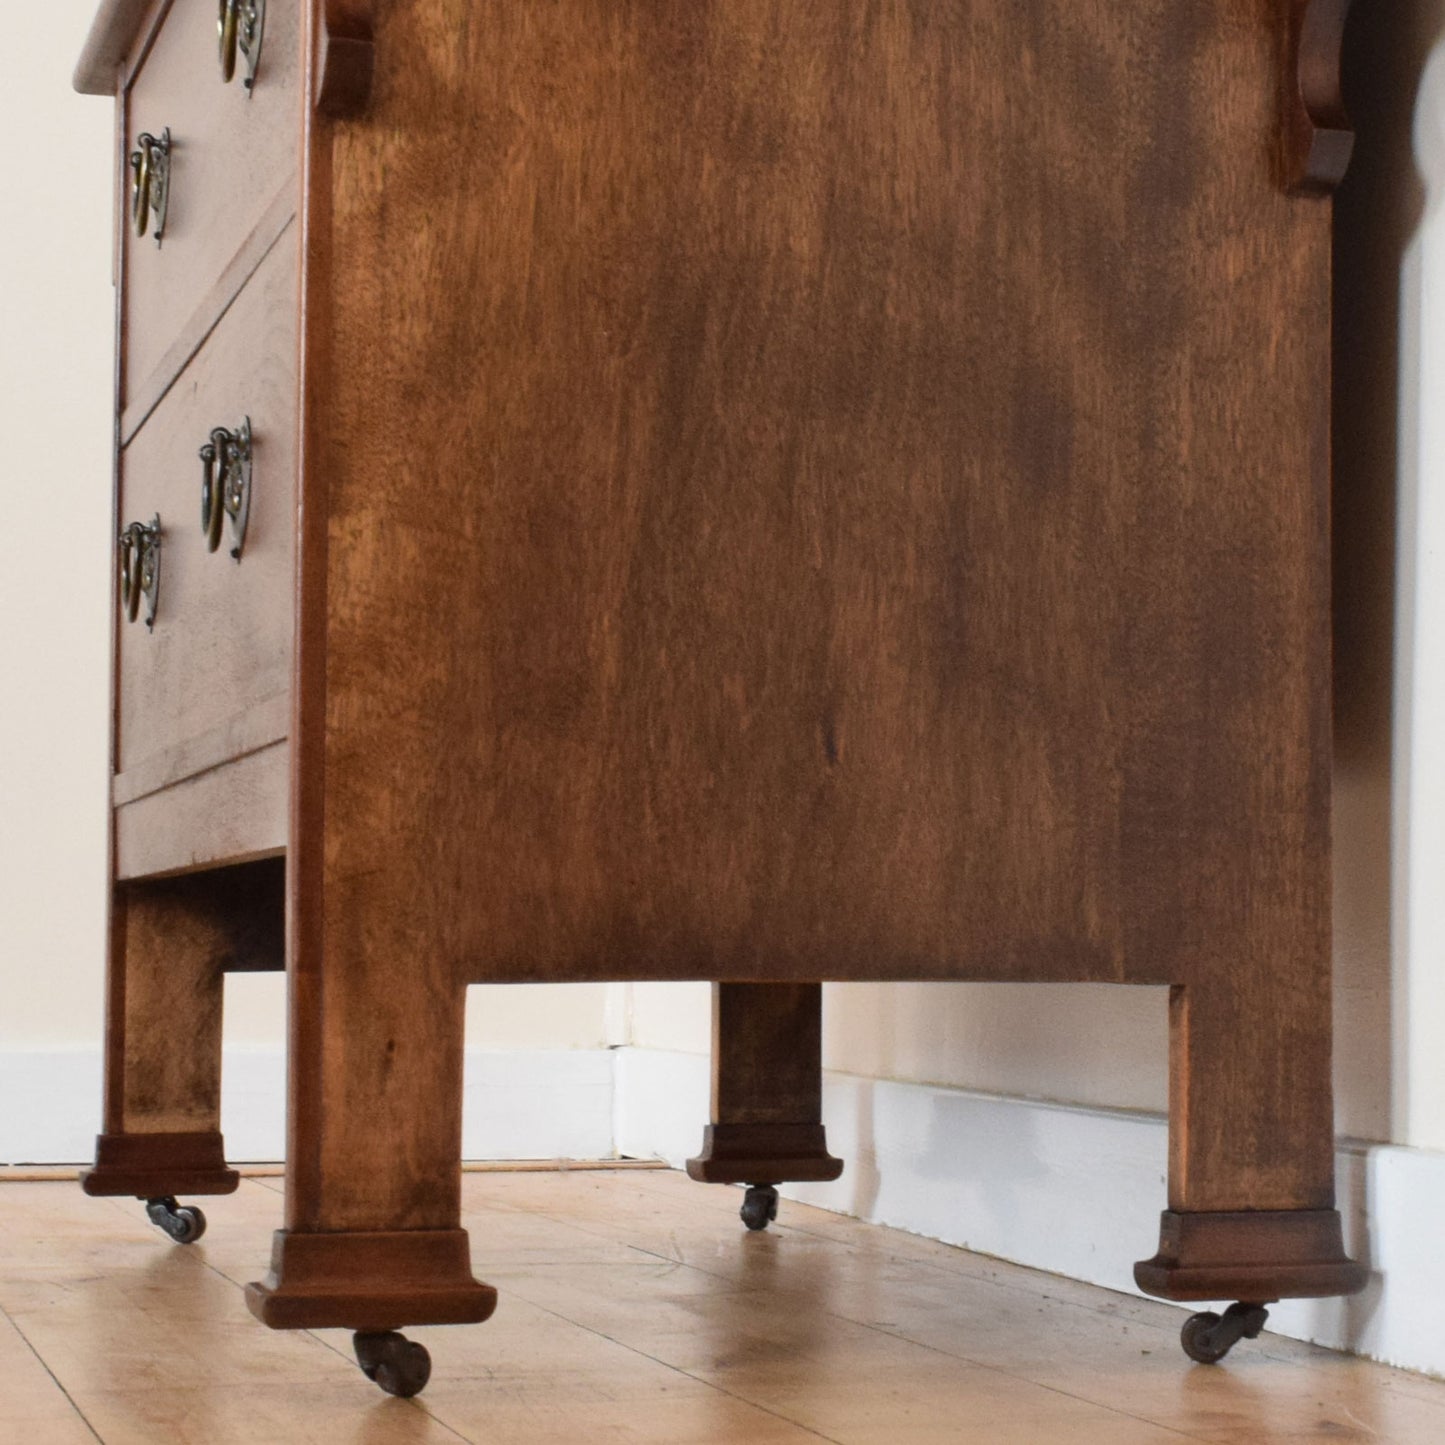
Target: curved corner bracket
<point x="344" y="54"/>
<point x="1316" y="132"/>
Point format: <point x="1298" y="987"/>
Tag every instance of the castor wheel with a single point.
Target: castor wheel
<point x="183" y="1222"/>
<point x="760" y="1206"/>
<point x="1207" y="1337"/>
<point x="399" y="1365"/>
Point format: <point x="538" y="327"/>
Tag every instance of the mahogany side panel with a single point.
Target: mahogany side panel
<point x="842" y="497"/>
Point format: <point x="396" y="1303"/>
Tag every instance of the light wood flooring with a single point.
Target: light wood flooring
<point x="635" y="1308"/>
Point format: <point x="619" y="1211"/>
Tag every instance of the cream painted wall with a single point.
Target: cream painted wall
<point x="1085" y="1044"/>
<point x="1419" y="793"/>
<point x="55" y="386"/>
<point x="505" y="1016"/>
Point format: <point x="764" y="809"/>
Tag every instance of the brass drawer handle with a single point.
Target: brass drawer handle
<point x="226" y="486"/>
<point x="150" y="184"/>
<point x="140" y="569"/>
<point x="240" y="26"/>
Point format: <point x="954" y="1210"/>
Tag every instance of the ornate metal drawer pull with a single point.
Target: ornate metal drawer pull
<point x="226" y="485"/>
<point x="240" y="27"/>
<point x="140" y="568"/>
<point x="150" y="184"/>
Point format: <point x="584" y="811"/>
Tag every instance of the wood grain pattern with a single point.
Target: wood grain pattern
<point x="850" y="568"/>
<point x="222" y="637"/>
<point x="766" y="1040"/>
<point x="164" y="1020"/>
<point x="172" y="1020"/>
<point x="229" y="157"/>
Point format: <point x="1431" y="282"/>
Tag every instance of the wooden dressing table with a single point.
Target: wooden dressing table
<point x="741" y="490"/>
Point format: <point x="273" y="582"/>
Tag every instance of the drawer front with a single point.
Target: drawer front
<point x="226" y="815"/>
<point x="208" y="681"/>
<point x="232" y="170"/>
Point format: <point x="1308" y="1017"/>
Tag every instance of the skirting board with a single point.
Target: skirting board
<point x="1070" y="1190"/>
<point x="519" y="1104"/>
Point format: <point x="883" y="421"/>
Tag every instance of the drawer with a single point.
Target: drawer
<point x="209" y="680"/>
<point x="228" y="815"/>
<point x="232" y="187"/>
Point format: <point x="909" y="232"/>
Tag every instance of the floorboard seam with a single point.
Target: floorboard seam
<point x="866" y="1325"/>
<point x="40" y="1359"/>
<point x="889" y="1334"/>
<point x="686" y="1374"/>
<point x="327" y="1345"/>
<point x="890" y="1311"/>
<point x="423" y="1406"/>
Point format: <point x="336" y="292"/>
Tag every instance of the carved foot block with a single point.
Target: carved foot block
<point x="1255" y="1255"/>
<point x="763" y="1154"/>
<point x="150" y="1166"/>
<point x="370" y="1281"/>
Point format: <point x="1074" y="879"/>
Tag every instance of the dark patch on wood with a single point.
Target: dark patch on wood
<point x="1317" y="138"/>
<point x="345" y="58"/>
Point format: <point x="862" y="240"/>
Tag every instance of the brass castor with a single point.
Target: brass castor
<point x="399" y="1365"/>
<point x="1207" y="1337"/>
<point x="760" y="1206"/>
<point x="183" y="1222"/>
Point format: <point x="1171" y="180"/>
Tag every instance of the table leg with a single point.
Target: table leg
<point x="162" y="1113"/>
<point x="1251" y="1212"/>
<point x="372" y="1238"/>
<point x="766" y="1087"/>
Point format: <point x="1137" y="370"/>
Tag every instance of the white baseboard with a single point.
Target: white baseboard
<point x="49" y="1105"/>
<point x="1070" y="1190"/>
<point x="518" y="1104"/>
<point x="539" y="1104"/>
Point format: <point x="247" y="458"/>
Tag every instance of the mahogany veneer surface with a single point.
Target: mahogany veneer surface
<point x="856" y="507"/>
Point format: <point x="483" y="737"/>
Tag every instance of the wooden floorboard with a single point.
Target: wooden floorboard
<point x="635" y="1310"/>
